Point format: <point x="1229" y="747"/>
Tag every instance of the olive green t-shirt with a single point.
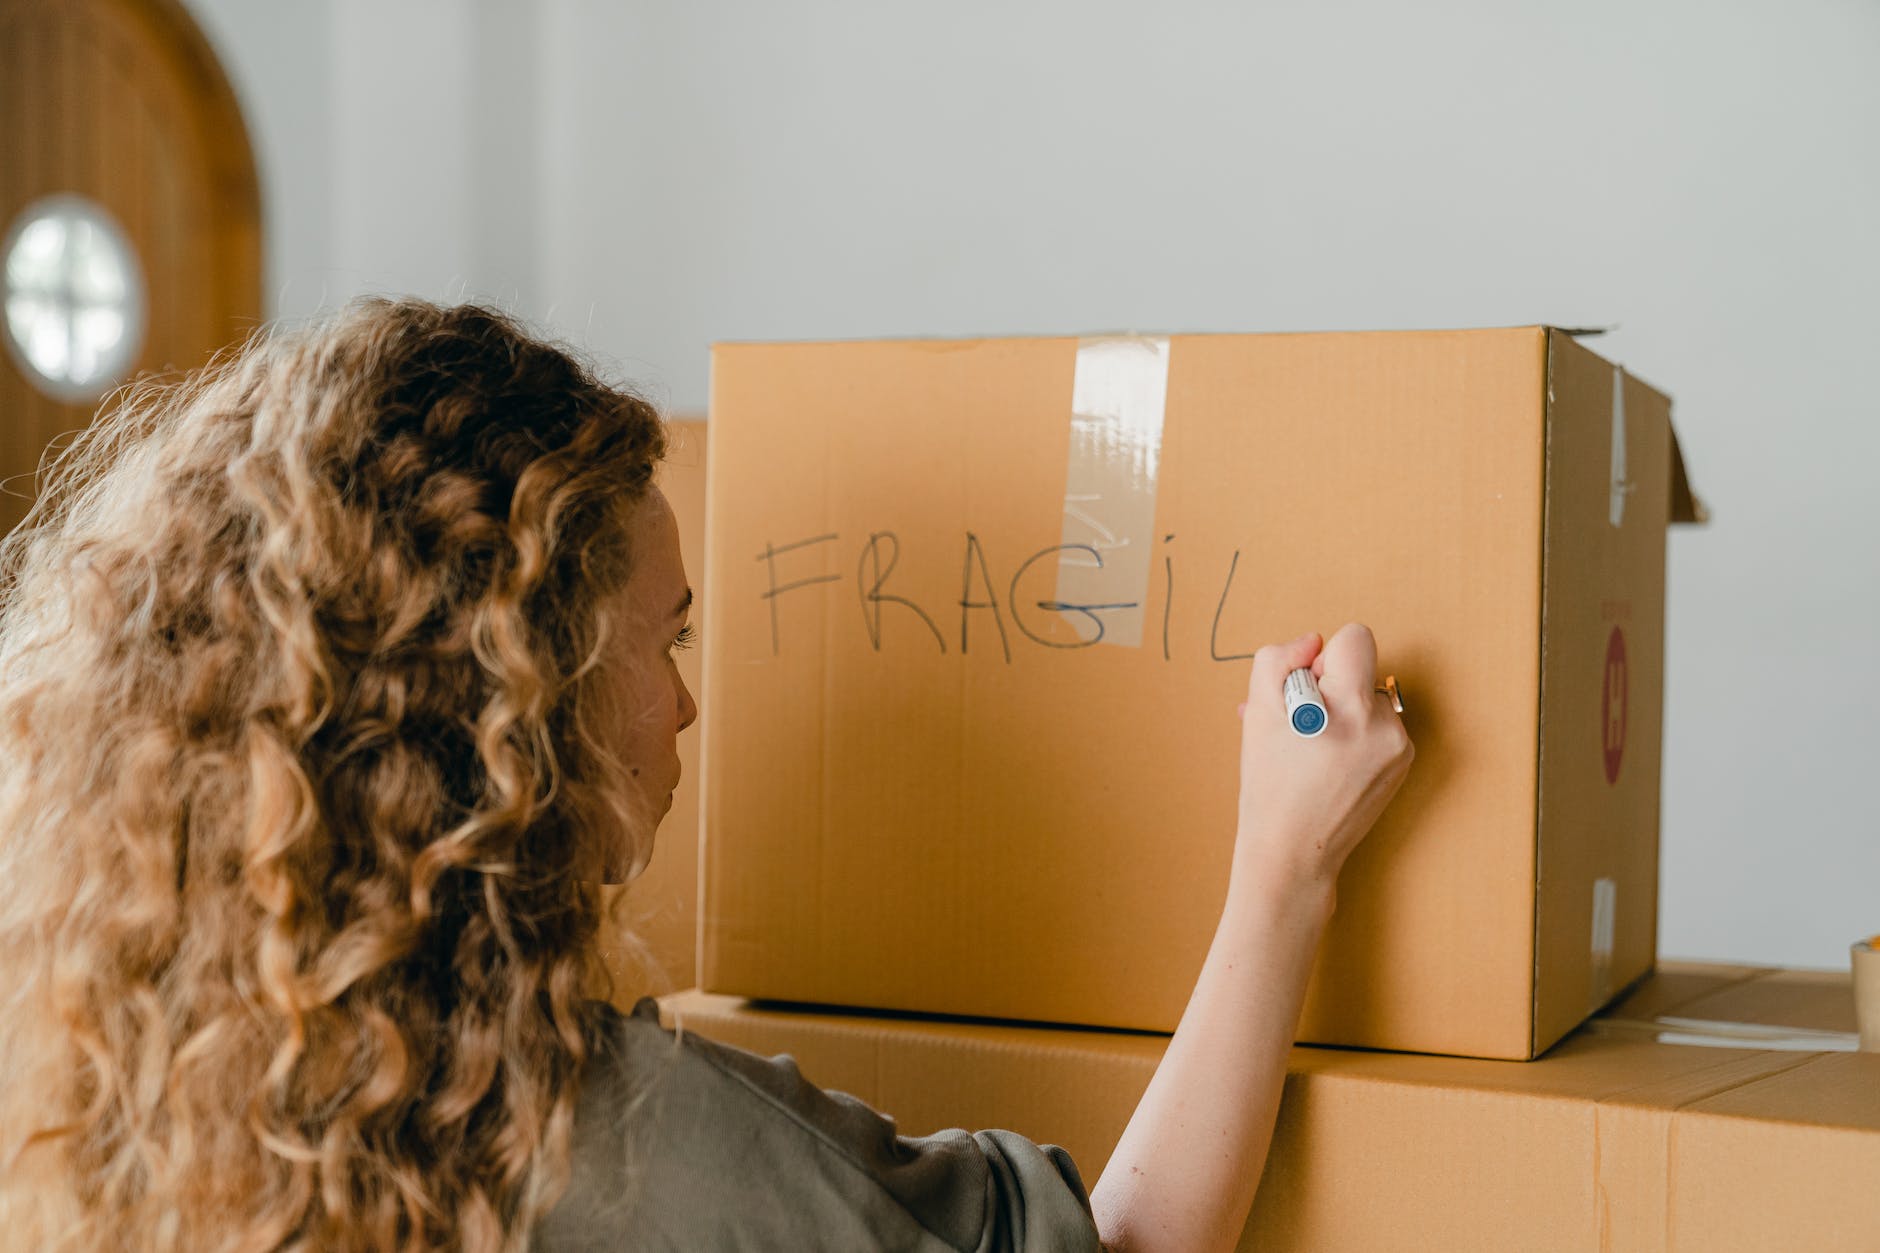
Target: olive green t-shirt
<point x="684" y="1143"/>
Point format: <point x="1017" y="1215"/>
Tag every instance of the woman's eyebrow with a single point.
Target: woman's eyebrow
<point x="684" y="604"/>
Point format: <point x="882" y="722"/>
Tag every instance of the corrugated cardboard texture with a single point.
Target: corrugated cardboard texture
<point x="1602" y="678"/>
<point x="921" y="795"/>
<point x="1812" y="1000"/>
<point x="1673" y="985"/>
<point x="1608" y="1143"/>
<point x="661" y="906"/>
<point x="1788" y="1163"/>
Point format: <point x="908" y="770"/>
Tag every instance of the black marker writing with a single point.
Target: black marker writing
<point x="1057" y="606"/>
<point x="872" y="594"/>
<point x="1168" y="566"/>
<point x="1214" y="650"/>
<point x="769" y="558"/>
<point x="968" y="604"/>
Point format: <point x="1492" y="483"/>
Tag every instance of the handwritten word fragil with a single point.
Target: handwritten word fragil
<point x="880" y="553"/>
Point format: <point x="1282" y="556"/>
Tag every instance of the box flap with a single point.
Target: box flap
<point x="1671" y="985"/>
<point x="1810" y="1011"/>
<point x="1686" y="507"/>
<point x="1805" y="1000"/>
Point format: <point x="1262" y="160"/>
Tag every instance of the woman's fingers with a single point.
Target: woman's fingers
<point x="1350" y="665"/>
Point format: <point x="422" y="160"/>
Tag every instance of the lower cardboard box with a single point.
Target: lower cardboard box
<point x="1713" y="1108"/>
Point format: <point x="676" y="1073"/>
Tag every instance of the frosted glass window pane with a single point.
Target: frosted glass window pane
<point x="74" y="298"/>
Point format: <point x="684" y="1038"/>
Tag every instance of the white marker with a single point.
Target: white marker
<point x="1305" y="708"/>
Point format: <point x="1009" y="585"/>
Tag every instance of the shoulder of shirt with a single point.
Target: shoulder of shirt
<point x="774" y="1090"/>
<point x="639" y="1038"/>
<point x="637" y="1041"/>
<point x="772" y="1087"/>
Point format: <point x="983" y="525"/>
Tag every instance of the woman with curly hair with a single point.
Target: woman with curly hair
<point x="335" y="677"/>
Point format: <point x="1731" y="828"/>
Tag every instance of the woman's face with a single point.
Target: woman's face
<point x="650" y="702"/>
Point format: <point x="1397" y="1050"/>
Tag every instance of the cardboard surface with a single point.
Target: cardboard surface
<point x="1607" y="1142"/>
<point x="660" y="908"/>
<point x="1809" y="1000"/>
<point x="1602" y="678"/>
<point x="1673" y="985"/>
<point x="950" y="768"/>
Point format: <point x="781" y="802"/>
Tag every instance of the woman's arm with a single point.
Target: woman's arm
<point x="1184" y="1174"/>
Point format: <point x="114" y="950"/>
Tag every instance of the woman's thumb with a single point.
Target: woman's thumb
<point x="1302" y="650"/>
<point x="1293" y="654"/>
<point x="1285" y="658"/>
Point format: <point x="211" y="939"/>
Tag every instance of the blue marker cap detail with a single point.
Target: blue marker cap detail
<point x="1305" y="708"/>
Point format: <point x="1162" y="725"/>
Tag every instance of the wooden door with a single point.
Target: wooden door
<point x="123" y="105"/>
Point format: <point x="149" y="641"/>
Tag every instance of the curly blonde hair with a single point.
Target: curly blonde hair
<point x="298" y="755"/>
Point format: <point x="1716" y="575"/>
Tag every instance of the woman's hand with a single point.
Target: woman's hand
<point x="1183" y="1177"/>
<point x="1306" y="803"/>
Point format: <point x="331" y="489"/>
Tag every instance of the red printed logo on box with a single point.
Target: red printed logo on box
<point x="1612" y="704"/>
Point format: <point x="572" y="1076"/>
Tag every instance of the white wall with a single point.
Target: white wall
<point x="650" y="177"/>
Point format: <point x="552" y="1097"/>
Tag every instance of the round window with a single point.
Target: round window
<point x="74" y="297"/>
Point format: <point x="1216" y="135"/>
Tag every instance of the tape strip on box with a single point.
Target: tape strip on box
<point x="1118" y="397"/>
<point x="1621" y="484"/>
<point x="1670" y="1029"/>
<point x="1605" y="919"/>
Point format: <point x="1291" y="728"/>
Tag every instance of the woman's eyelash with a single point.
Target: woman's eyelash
<point x="684" y="638"/>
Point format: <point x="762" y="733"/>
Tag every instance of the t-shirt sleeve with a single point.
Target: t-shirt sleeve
<point x="985" y="1192"/>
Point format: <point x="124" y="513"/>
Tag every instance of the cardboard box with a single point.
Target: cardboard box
<point x="1613" y="1140"/>
<point x="651" y="946"/>
<point x="953" y="764"/>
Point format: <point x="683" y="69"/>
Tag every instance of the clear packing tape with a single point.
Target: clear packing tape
<point x="1671" y="1029"/>
<point x="1118" y="396"/>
